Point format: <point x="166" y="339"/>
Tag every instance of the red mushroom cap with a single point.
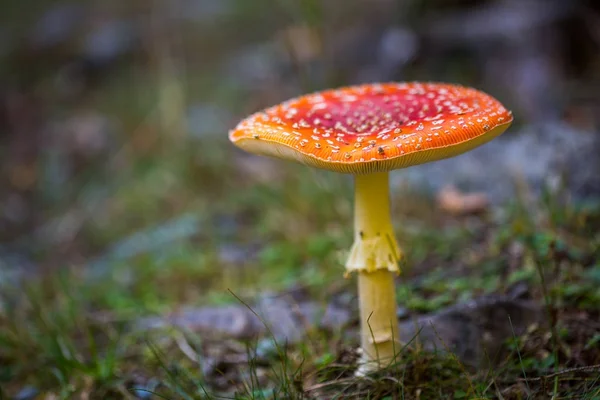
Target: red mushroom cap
<point x="375" y="127"/>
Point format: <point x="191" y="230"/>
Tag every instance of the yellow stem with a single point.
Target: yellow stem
<point x="375" y="255"/>
<point x="378" y="321"/>
<point x="375" y="246"/>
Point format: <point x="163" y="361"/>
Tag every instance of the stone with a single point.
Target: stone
<point x="474" y="331"/>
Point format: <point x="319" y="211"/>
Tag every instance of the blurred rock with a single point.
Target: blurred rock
<point x="283" y="318"/>
<point x="474" y="331"/>
<point x="519" y="291"/>
<point x="289" y="320"/>
<point x="235" y="321"/>
<point x="541" y="155"/>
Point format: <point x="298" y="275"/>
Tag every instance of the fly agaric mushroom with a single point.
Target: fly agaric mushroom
<point x="367" y="131"/>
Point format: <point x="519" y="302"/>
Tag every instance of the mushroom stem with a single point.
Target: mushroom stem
<point x="375" y="255"/>
<point x="378" y="322"/>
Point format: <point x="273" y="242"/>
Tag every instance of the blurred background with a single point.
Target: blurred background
<point x="114" y="116"/>
<point x="116" y="167"/>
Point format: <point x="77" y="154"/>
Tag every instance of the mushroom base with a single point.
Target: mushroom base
<point x="380" y="342"/>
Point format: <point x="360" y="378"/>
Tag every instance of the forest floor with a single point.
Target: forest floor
<point x="83" y="331"/>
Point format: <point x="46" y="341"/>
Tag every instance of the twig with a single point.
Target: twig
<point x="589" y="368"/>
<point x="327" y="384"/>
<point x="185" y="347"/>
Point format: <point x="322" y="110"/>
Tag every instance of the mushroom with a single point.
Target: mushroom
<point x="367" y="131"/>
